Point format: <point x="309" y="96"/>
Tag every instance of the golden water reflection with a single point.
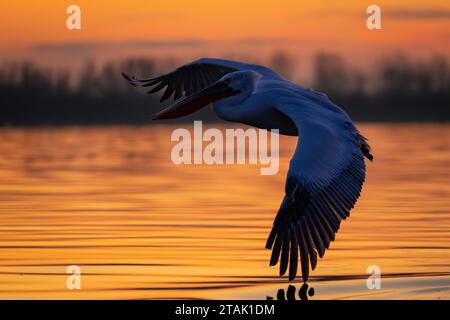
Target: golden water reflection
<point x="110" y="200"/>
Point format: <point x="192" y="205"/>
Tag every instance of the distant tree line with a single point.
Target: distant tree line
<point x="396" y="89"/>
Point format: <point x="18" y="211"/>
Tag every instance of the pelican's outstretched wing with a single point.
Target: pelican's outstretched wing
<point x="324" y="181"/>
<point x="195" y="76"/>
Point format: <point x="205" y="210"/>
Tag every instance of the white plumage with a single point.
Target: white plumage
<point x="327" y="170"/>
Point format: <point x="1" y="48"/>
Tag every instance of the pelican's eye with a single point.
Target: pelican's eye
<point x="227" y="81"/>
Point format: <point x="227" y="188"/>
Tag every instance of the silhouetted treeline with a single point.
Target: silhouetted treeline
<point x="396" y="89"/>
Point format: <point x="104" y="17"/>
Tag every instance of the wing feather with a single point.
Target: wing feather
<point x="324" y="181"/>
<point x="309" y="243"/>
<point x="195" y="76"/>
<point x="184" y="80"/>
<point x="294" y="253"/>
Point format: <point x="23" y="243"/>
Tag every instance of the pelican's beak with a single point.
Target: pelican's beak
<point x="196" y="101"/>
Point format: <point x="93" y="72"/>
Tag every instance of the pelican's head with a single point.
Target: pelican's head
<point x="242" y="81"/>
<point x="233" y="88"/>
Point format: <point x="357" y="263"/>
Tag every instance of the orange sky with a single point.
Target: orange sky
<point x="408" y="25"/>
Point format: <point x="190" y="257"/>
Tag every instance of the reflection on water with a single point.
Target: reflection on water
<point x="111" y="201"/>
<point x="303" y="293"/>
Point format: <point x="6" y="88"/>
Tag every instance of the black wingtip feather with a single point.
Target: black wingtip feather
<point x="310" y="244"/>
<point x="304" y="257"/>
<point x="128" y="79"/>
<point x="293" y="259"/>
<point x="285" y="253"/>
<point x="271" y="238"/>
<point x="156" y="88"/>
<point x="276" y="250"/>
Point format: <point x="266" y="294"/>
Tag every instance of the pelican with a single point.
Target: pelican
<point x="327" y="170"/>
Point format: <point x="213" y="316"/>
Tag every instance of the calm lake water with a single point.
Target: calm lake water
<point x="109" y="200"/>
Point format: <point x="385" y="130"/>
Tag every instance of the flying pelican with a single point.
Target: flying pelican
<point x="327" y="169"/>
